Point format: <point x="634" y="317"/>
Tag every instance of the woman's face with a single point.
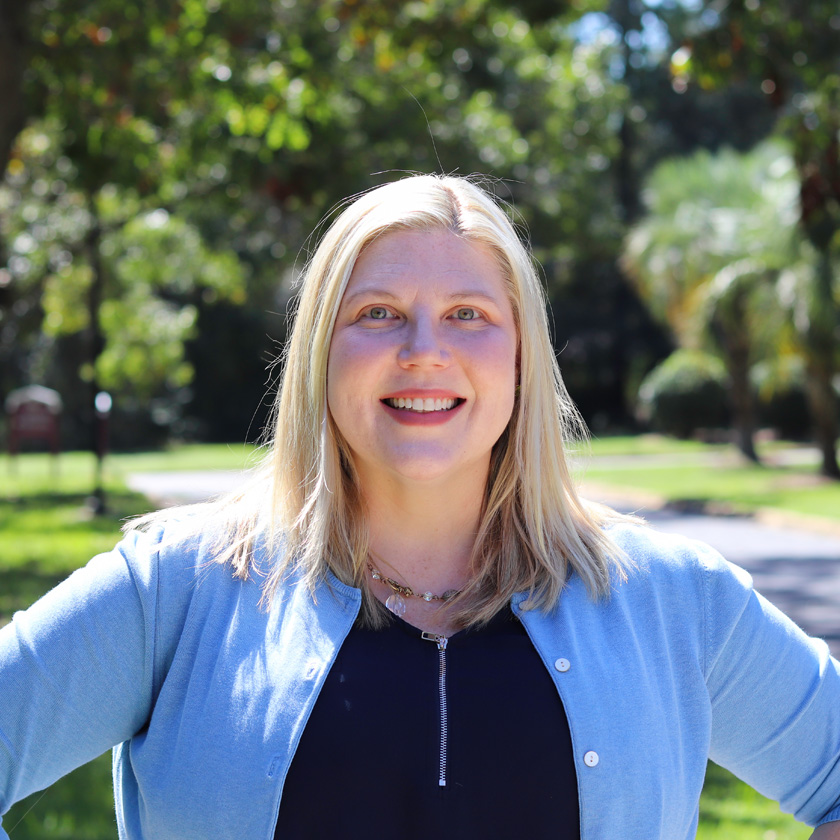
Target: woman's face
<point x="422" y="365"/>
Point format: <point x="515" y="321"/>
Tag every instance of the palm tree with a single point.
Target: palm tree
<point x="805" y="291"/>
<point x="731" y="303"/>
<point x="719" y="228"/>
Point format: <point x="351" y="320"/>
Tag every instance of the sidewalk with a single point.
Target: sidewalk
<point x="165" y="489"/>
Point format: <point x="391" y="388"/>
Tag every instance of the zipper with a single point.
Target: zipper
<point x="441" y="642"/>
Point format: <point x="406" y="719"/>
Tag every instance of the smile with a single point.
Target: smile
<point x="421" y="405"/>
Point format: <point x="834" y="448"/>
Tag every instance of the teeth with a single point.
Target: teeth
<point x="422" y="405"/>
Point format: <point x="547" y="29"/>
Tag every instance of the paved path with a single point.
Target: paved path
<point x="171" y="488"/>
<point x="796" y="568"/>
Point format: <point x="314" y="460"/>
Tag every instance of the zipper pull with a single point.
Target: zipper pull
<point x="440" y="641"/>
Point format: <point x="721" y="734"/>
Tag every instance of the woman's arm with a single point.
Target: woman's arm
<point x="75" y="674"/>
<point x="775" y="697"/>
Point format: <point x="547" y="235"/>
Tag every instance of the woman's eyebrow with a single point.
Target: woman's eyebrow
<point x="371" y="291"/>
<point x="472" y="294"/>
<point x="381" y="293"/>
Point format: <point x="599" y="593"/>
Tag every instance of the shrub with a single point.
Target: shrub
<point x="684" y="393"/>
<point x="783" y="401"/>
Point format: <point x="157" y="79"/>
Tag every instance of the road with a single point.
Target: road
<point x="794" y="567"/>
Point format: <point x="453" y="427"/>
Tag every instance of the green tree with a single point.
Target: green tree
<point x="249" y="121"/>
<point x="788" y="50"/>
<point x="718" y="231"/>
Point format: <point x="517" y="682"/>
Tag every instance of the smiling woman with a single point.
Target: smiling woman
<point x="418" y="291"/>
<point x="409" y="624"/>
<point x="421" y="380"/>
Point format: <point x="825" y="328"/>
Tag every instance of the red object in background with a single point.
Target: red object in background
<point x="33" y="413"/>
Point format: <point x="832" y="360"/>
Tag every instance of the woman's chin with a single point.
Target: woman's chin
<point x="426" y="466"/>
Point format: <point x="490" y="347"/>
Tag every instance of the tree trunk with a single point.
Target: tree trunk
<point x="821" y="367"/>
<point x="732" y="334"/>
<point x="12" y="119"/>
<point x="822" y="401"/>
<point x="12" y="63"/>
<point x="743" y="403"/>
<point x="626" y="171"/>
<point x="96" y="344"/>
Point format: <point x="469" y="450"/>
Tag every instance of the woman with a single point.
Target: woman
<point x="409" y="624"/>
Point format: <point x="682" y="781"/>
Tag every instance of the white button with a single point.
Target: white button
<point x="591" y="758"/>
<point x="562" y="665"/>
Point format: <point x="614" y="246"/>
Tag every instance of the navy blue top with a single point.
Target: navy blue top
<point x="369" y="763"/>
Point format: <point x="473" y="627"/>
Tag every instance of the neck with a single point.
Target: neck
<point x="425" y="535"/>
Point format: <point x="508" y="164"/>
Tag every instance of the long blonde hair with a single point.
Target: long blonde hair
<point x="305" y="499"/>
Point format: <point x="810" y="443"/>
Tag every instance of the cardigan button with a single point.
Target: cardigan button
<point x="591" y="758"/>
<point x="562" y="665"/>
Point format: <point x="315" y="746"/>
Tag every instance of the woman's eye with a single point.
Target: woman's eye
<point x="466" y="313"/>
<point x="377" y="313"/>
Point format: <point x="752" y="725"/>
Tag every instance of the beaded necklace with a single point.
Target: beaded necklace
<point x="395" y="602"/>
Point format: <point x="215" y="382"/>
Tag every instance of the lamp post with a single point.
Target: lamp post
<point x="102" y="405"/>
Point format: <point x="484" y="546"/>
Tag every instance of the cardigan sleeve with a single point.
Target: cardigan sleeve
<point x="77" y="669"/>
<point x="775" y="697"/>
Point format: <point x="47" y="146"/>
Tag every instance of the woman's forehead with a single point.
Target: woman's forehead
<point x="439" y="258"/>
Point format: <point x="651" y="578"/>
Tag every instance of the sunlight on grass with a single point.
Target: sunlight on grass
<point x="732" y="810"/>
<point x="650" y="445"/>
<point x="46" y="526"/>
<point x="80" y="807"/>
<point x="195" y="457"/>
<point x="678" y="471"/>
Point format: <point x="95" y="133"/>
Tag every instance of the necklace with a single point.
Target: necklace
<point x="395" y="602"/>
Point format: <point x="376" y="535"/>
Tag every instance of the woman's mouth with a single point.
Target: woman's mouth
<point x="423" y="405"/>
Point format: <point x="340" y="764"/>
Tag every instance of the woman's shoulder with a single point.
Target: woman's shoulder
<point x="676" y="591"/>
<point x="648" y="548"/>
<point x="176" y="541"/>
<point x="181" y="552"/>
<point x="675" y="563"/>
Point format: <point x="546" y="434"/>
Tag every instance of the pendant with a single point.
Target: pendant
<point x="396" y="604"/>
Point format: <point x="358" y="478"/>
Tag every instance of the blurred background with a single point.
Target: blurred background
<point x="675" y="164"/>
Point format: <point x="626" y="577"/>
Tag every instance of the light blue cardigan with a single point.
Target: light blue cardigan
<point x="156" y="650"/>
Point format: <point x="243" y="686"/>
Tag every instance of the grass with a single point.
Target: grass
<point x="46" y="525"/>
<point x="732" y="810"/>
<point x="650" y="445"/>
<point x="656" y="444"/>
<point x="46" y="531"/>
<point x="679" y="471"/>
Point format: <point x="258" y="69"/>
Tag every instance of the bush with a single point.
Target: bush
<point x="684" y="393"/>
<point x="783" y="402"/>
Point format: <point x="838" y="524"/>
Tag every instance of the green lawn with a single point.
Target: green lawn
<point x="656" y="444"/>
<point x="685" y="471"/>
<point x="732" y="810"/>
<point x="46" y="531"/>
<point x="650" y="445"/>
<point x="46" y="528"/>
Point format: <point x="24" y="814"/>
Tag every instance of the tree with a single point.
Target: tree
<point x="718" y="231"/>
<point x="247" y="122"/>
<point x="788" y="50"/>
<point x="93" y="183"/>
<point x="250" y="121"/>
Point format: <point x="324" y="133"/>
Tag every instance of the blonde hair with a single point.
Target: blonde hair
<point x="305" y="499"/>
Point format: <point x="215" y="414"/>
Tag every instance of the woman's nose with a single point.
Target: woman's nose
<point x="424" y="345"/>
